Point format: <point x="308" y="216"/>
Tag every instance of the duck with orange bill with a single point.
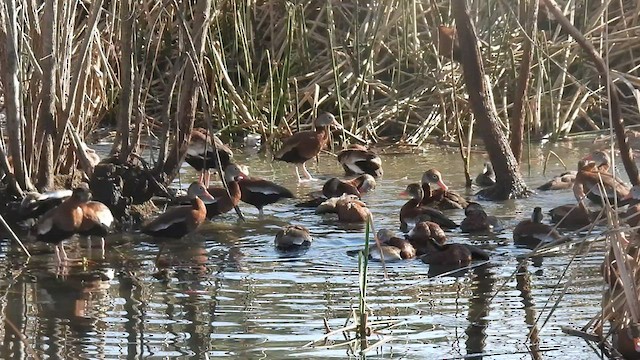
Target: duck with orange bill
<point x="75" y="215"/>
<point x="413" y="212"/>
<point x="201" y="153"/>
<point x="225" y="201"/>
<point x="181" y="220"/>
<point x="306" y="145"/>
<point x="258" y="192"/>
<point x="357" y="160"/>
<point x="440" y="197"/>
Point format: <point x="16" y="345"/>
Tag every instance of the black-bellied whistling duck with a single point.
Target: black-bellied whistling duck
<point x="487" y="177"/>
<point x="201" y="153"/>
<point x="305" y="145"/>
<point x="392" y="248"/>
<point x="352" y="211"/>
<point x="413" y="212"/>
<point x="330" y="206"/>
<point x="356" y="186"/>
<point x="72" y="216"/>
<point x="590" y="179"/>
<point x="477" y="220"/>
<point x="97" y="220"/>
<point x="225" y="202"/>
<point x="179" y="221"/>
<point x="293" y="237"/>
<point x="429" y="241"/>
<point x="560" y="182"/>
<point x="36" y="204"/>
<point x="421" y="234"/>
<point x="440" y="198"/>
<point x="260" y="192"/>
<point x="532" y="232"/>
<point x="357" y="159"/>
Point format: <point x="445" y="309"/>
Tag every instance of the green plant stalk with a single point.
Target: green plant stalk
<point x="363" y="264"/>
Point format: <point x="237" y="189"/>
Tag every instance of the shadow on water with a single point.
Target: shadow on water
<point x="227" y="292"/>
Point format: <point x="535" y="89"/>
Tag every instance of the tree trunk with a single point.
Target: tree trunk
<point x="127" y="62"/>
<point x="529" y="17"/>
<point x="509" y="182"/>
<point x="616" y="113"/>
<point x="188" y="99"/>
<point x="11" y="77"/>
<point x="46" y="119"/>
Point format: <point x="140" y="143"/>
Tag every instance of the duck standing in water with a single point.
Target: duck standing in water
<point x="413" y="212"/>
<point x="357" y="159"/>
<point x="201" y="153"/>
<point x="532" y="232"/>
<point x="441" y="198"/>
<point x="256" y="191"/>
<point x="293" y="237"/>
<point x="305" y="145"/>
<point x="181" y="220"/>
<point x="487" y="177"/>
<point x="224" y="201"/>
<point x="73" y="216"/>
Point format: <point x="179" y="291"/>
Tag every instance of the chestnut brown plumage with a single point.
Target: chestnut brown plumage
<point x="413" y="212"/>
<point x="75" y="215"/>
<point x="292" y="237"/>
<point x="181" y="220"/>
<point x="201" y="153"/>
<point x="305" y="145"/>
<point x="440" y="197"/>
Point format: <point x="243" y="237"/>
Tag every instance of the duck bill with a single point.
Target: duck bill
<point x="206" y="197"/>
<point x="336" y="124"/>
<point x="442" y="185"/>
<point x="404" y="194"/>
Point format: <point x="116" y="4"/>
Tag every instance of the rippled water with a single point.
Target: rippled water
<point x="226" y="292"/>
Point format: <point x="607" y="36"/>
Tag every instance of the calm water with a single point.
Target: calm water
<point x="226" y="292"/>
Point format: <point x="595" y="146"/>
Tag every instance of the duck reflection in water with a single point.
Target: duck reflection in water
<point x="71" y="301"/>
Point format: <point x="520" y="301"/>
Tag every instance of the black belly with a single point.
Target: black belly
<point x="261" y="200"/>
<point x="293" y="156"/>
<point x="175" y="231"/>
<point x="209" y="161"/>
<point x="55" y="235"/>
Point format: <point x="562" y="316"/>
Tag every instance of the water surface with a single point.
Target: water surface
<point x="225" y="292"/>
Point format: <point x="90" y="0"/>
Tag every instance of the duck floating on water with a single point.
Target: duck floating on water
<point x="487" y="177"/>
<point x="532" y="232"/>
<point x="181" y="220"/>
<point x="440" y="198"/>
<point x="357" y="186"/>
<point x="293" y="237"/>
<point x="201" y="153"/>
<point x="413" y="212"/>
<point x="589" y="175"/>
<point x="352" y="210"/>
<point x="306" y="145"/>
<point x="75" y="215"/>
<point x="477" y="220"/>
<point x="357" y="160"/>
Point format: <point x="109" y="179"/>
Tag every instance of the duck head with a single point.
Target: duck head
<point x="326" y="120"/>
<point x="414" y="191"/>
<point x="433" y="176"/>
<point x="536" y="217"/>
<point x="82" y="193"/>
<point x="598" y="157"/>
<point x="197" y="190"/>
<point x="233" y="172"/>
